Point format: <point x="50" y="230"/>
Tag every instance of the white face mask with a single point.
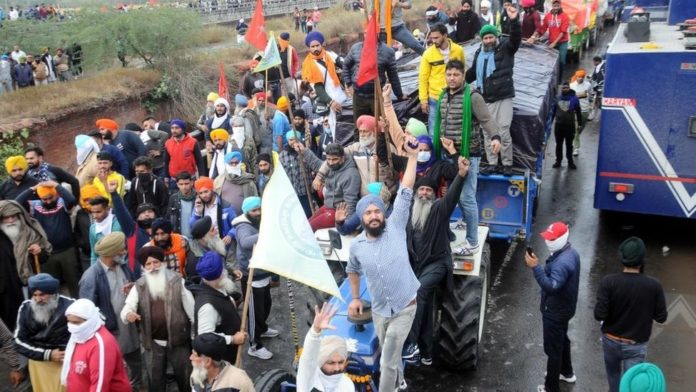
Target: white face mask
<point x="423" y="156"/>
<point x="557" y="244"/>
<point x="235" y="170"/>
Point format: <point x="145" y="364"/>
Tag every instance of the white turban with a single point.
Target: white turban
<point x="330" y="345"/>
<point x="222" y="101"/>
<point x="84" y="309"/>
<point x="486" y="4"/>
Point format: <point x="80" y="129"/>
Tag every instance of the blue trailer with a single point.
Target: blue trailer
<point x="647" y="144"/>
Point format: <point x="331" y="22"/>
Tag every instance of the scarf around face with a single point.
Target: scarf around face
<point x="466" y="123"/>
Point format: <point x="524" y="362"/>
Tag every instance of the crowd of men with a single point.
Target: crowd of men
<point x="20" y="70"/>
<point x="39" y="12"/>
<point x="147" y="243"/>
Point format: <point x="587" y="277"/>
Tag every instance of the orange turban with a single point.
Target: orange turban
<point x="88" y="192"/>
<point x="578" y="74"/>
<point x="219" y="134"/>
<point x="107" y="123"/>
<point x="204" y="183"/>
<point x="44" y="191"/>
<point x="17" y="160"/>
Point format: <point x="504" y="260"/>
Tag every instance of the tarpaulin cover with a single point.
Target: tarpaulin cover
<point x="535" y="89"/>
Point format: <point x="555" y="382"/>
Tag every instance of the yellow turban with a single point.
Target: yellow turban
<point x="88" y="192"/>
<point x="212" y="97"/>
<point x="219" y="134"/>
<point x="44" y="191"/>
<point x="17" y="160"/>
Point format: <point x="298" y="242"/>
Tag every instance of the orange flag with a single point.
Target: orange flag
<point x="256" y="34"/>
<point x="222" y="83"/>
<point x="368" y="58"/>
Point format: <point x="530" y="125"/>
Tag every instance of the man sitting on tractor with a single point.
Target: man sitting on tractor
<point x="323" y="361"/>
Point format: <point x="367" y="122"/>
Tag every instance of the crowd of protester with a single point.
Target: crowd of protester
<point x="20" y="70"/>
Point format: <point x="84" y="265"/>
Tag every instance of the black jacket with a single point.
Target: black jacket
<point x="59" y="175"/>
<point x="154" y="192"/>
<point x="174" y="211"/>
<point x="9" y="190"/>
<point x="386" y="63"/>
<point x="500" y="84"/>
<point x="467" y="24"/>
<point x="230" y="322"/>
<point x="35" y="341"/>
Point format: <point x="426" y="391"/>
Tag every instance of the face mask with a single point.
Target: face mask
<point x="50" y="206"/>
<point x="144" y="177"/>
<point x="367" y="141"/>
<point x="557" y="244"/>
<point x="145" y="223"/>
<point x="239" y="130"/>
<point x="234" y="170"/>
<point x="330" y="382"/>
<point x="423" y="156"/>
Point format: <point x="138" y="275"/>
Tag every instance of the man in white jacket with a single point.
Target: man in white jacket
<point x="323" y="362"/>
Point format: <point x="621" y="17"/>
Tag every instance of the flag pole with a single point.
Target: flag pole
<point x="245" y="316"/>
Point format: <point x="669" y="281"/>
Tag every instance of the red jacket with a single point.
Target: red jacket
<point x="181" y="155"/>
<point x="97" y="366"/>
<point x="557" y="25"/>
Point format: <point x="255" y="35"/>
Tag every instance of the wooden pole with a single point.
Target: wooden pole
<point x="37" y="266"/>
<point x="245" y="316"/>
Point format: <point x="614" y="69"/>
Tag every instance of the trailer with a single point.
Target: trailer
<point x="647" y="142"/>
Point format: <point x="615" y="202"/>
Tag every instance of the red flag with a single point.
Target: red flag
<point x="222" y="83"/>
<point x="256" y="33"/>
<point x="368" y="59"/>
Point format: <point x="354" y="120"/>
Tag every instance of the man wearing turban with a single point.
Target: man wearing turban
<point x="127" y="141"/>
<point x="178" y="256"/>
<point x="583" y="88"/>
<point x="319" y="70"/>
<point x="21" y="240"/>
<point x="209" y="203"/>
<point x="107" y="283"/>
<point x="211" y="372"/>
<point x="236" y="184"/>
<point x="51" y="204"/>
<point x="221" y="147"/>
<point x="18" y="180"/>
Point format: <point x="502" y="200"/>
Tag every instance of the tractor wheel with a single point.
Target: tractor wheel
<point x="272" y="380"/>
<point x="462" y="316"/>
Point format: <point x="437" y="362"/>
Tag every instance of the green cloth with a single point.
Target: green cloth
<point x="416" y="127"/>
<point x="466" y="123"/>
<point x="644" y="377"/>
<point x="488" y="29"/>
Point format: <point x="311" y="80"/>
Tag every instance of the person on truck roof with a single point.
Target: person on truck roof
<point x="556" y="22"/>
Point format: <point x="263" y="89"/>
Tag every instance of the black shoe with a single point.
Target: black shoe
<point x="572" y="166"/>
<point x="557" y="165"/>
<point x="507" y="171"/>
<point x="487" y="170"/>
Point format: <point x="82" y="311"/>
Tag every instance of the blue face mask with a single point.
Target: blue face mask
<point x="423" y="156"/>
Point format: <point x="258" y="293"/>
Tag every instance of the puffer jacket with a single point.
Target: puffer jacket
<point x="431" y="73"/>
<point x="499" y="85"/>
<point x="35" y="341"/>
<point x="342" y="185"/>
<point x="559" y="280"/>
<point x="386" y="63"/>
<point x="451" y="123"/>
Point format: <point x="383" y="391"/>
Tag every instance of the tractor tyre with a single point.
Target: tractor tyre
<point x="272" y="380"/>
<point x="462" y="317"/>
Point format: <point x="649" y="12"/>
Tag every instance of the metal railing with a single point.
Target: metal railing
<point x="230" y="10"/>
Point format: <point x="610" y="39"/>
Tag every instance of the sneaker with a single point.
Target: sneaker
<point x="507" y="171"/>
<point x="427" y="361"/>
<point x="557" y="165"/>
<point x="261" y="353"/>
<point x="410" y="352"/>
<point x="270" y="333"/>
<point x="402" y="386"/>
<point x="572" y="166"/>
<point x="569" y="380"/>
<point x="467" y="250"/>
<point x="576" y="152"/>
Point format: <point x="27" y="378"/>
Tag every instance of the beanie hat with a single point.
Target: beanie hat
<point x="212" y="97"/>
<point x="488" y="29"/>
<point x="201" y="227"/>
<point x="251" y="203"/>
<point x="425" y="181"/>
<point x="632" y="252"/>
<point x="643" y="377"/>
<point x="314" y="36"/>
<point x="150" y="251"/>
<point x="144" y="207"/>
<point x="17" y="160"/>
<point x="164" y="224"/>
<point x="282" y="103"/>
<point x="416" y="127"/>
<point x="241" y="100"/>
<point x="203" y="183"/>
<point x="44" y="282"/>
<point x="210" y="266"/>
<point x="111" y="244"/>
<point x="366" y="201"/>
<point x="210" y="345"/>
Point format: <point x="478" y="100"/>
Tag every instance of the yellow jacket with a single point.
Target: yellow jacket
<point x="113" y="176"/>
<point x="431" y="75"/>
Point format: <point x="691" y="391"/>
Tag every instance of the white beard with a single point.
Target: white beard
<point x="214" y="243"/>
<point x="228" y="285"/>
<point x="199" y="375"/>
<point x="11" y="230"/>
<point x="420" y="212"/>
<point x="156" y="283"/>
<point x="44" y="312"/>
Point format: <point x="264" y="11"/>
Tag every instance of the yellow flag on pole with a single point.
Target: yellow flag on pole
<point x="286" y="244"/>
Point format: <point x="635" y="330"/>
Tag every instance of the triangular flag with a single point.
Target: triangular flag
<point x="368" y="58"/>
<point x="271" y="56"/>
<point x="256" y="33"/>
<point x="222" y="83"/>
<point x="286" y="244"/>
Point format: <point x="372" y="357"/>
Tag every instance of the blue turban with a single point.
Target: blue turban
<point x="210" y="266"/>
<point x="161" y="223"/>
<point x="44" y="282"/>
<point x="643" y="377"/>
<point x="241" y="100"/>
<point x="234" y="154"/>
<point x="365" y="202"/>
<point x="292" y="135"/>
<point x="314" y="36"/>
<point x="251" y="203"/>
<point x="375" y="188"/>
<point x="179" y="123"/>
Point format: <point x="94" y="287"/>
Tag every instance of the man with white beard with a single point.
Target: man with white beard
<point x="21" y="238"/>
<point x="164" y="308"/>
<point x="42" y="332"/>
<point x="210" y="372"/>
<point x="428" y="239"/>
<point x="206" y="238"/>
<point x="215" y="310"/>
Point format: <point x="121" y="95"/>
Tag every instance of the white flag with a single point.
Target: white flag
<point x="286" y="244"/>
